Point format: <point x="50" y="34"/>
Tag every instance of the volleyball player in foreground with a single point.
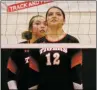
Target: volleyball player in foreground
<point x="60" y="68"/>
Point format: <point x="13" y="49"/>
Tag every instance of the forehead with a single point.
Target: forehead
<point x="55" y="10"/>
<point x="41" y="19"/>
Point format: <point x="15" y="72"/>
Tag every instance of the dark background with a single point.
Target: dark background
<point x="89" y="68"/>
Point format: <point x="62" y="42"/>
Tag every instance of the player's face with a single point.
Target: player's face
<point x="55" y="17"/>
<point x="39" y="26"/>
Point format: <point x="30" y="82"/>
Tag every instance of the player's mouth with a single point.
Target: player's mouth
<point x="54" y="20"/>
<point x="42" y="31"/>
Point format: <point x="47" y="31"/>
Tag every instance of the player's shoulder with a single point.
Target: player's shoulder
<point x="40" y="40"/>
<point x="72" y="39"/>
<point x="74" y="51"/>
<point x="18" y="52"/>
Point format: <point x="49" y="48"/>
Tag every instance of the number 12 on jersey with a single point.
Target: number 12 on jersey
<point x="56" y="60"/>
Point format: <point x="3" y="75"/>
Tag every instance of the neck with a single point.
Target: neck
<point x="34" y="38"/>
<point x="55" y="32"/>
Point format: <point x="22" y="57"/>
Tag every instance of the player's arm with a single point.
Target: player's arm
<point x="33" y="74"/>
<point x="11" y="70"/>
<point x="76" y="69"/>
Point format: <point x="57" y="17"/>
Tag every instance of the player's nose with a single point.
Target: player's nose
<point x="42" y="26"/>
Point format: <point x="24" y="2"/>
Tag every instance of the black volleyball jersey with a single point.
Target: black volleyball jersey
<point x="50" y="68"/>
<point x="59" y="68"/>
<point x="18" y="68"/>
<point x="67" y="39"/>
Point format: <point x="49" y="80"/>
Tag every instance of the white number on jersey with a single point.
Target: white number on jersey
<point x="56" y="60"/>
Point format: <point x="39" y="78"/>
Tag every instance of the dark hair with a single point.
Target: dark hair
<point x="31" y="22"/>
<point x="57" y="8"/>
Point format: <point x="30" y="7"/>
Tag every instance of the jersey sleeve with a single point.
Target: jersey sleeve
<point x="34" y="74"/>
<point x="72" y="39"/>
<point x="33" y="59"/>
<point x="11" y="68"/>
<point x="76" y="66"/>
<point x="11" y="73"/>
<point x="75" y="40"/>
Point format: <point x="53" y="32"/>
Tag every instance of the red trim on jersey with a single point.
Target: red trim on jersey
<point x="56" y="40"/>
<point x="11" y="66"/>
<point x="77" y="59"/>
<point x="33" y="64"/>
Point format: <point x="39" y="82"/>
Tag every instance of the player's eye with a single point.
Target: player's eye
<point x="59" y="14"/>
<point x="37" y="23"/>
<point x="50" y="14"/>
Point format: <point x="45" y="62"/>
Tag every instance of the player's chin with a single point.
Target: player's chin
<point x="54" y="24"/>
<point x="41" y="35"/>
<point x="42" y="31"/>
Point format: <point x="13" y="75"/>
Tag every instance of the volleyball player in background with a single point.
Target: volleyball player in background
<point x="17" y="67"/>
<point x="18" y="71"/>
<point x="36" y="29"/>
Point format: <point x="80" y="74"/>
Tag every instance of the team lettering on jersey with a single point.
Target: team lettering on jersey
<point x="53" y="49"/>
<point x="27" y="60"/>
